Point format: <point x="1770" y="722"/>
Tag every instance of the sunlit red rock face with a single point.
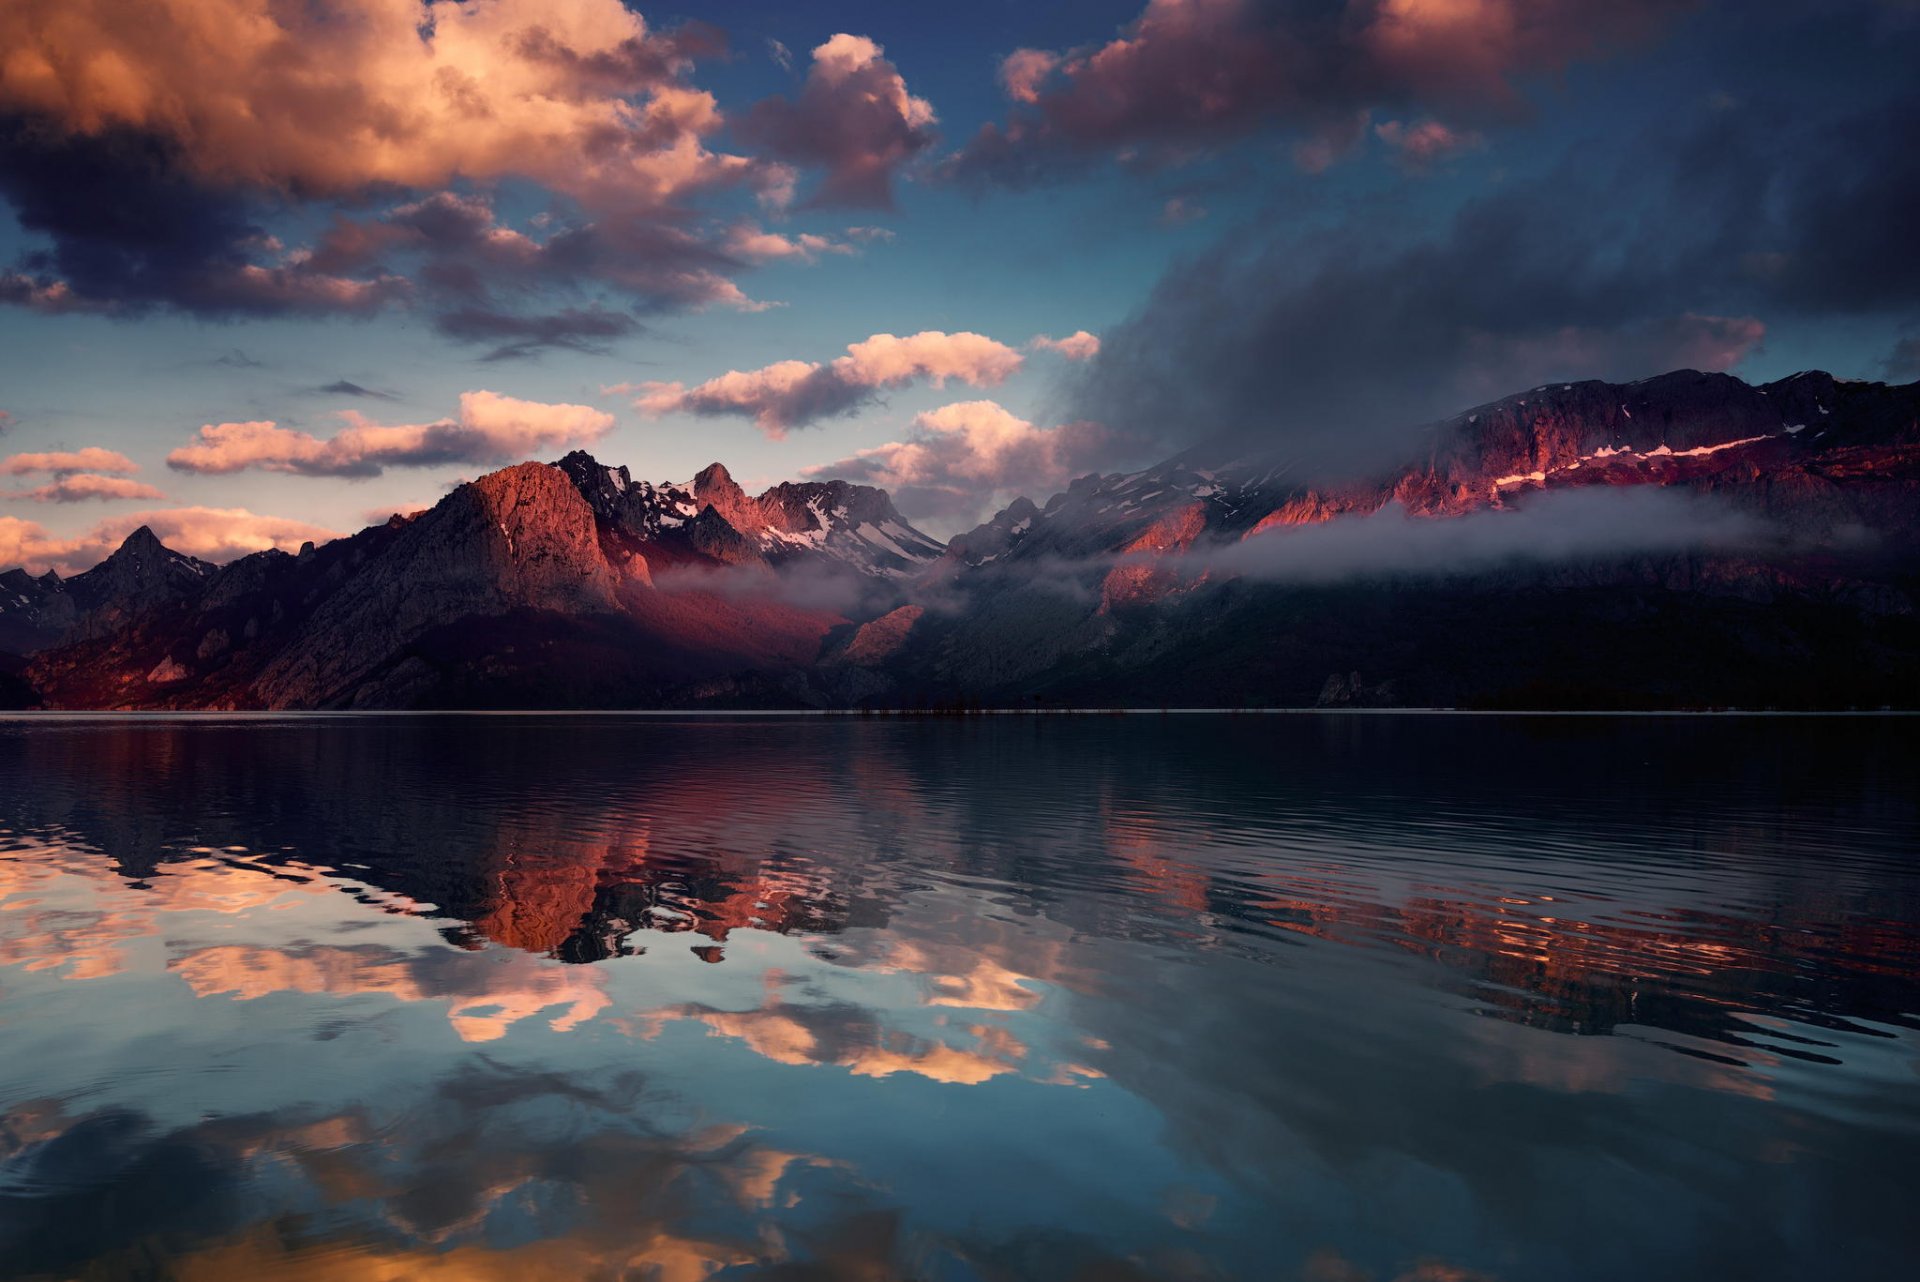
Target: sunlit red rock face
<point x="576" y="585"/>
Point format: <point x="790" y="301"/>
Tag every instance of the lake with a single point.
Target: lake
<point x="1328" y="998"/>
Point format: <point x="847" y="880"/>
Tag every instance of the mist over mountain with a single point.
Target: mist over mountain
<point x="1685" y="540"/>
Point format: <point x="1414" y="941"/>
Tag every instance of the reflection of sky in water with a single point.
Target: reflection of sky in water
<point x="1182" y="998"/>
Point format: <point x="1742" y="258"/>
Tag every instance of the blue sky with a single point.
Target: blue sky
<point x="1258" y="207"/>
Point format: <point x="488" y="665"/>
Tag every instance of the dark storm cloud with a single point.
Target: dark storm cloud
<point x="1328" y="345"/>
<point x="130" y="230"/>
<point x="477" y="274"/>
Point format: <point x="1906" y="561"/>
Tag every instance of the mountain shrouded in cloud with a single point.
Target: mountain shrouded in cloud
<point x="969" y="261"/>
<point x="959" y="462"/>
<point x="1328" y="343"/>
<point x="1683" y="540"/>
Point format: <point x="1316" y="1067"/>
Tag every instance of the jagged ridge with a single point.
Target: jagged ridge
<point x="572" y="583"/>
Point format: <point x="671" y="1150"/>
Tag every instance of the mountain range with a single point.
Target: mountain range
<point x="1684" y="541"/>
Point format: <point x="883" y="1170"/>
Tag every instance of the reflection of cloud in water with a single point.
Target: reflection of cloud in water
<point x="484" y="993"/>
<point x="498" y="1174"/>
<point x="1279" y="940"/>
<point x="792" y="1035"/>
<point x="64" y="910"/>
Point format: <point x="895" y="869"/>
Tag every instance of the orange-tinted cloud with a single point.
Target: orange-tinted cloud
<point x="491" y="428"/>
<point x="515" y="985"/>
<point x="790" y="394"/>
<point x="78" y="487"/>
<point x="579" y="95"/>
<point x="1077" y="346"/>
<point x="90" y="459"/>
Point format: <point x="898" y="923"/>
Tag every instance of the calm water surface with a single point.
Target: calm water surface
<point x="1315" y="998"/>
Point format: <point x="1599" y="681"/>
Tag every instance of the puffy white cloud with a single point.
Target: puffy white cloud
<point x="792" y="393"/>
<point x="491" y="428"/>
<point x="961" y="460"/>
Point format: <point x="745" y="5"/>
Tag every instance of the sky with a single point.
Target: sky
<point x="271" y="270"/>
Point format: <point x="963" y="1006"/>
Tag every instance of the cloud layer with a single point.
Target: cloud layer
<point x="1556" y="527"/>
<point x="789" y="394"/>
<point x="490" y="429"/>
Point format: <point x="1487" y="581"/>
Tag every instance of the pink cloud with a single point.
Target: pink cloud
<point x="1187" y="75"/>
<point x="960" y="461"/>
<point x="1024" y="70"/>
<point x="90" y="459"/>
<point x="1421" y="144"/>
<point x="78" y="487"/>
<point x="854" y="117"/>
<point x="1077" y="346"/>
<point x="490" y="429"/>
<point x="789" y="394"/>
<point x="1465" y="50"/>
<point x="755" y="244"/>
<point x="212" y="534"/>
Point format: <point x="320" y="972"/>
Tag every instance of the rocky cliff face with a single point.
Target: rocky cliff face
<point x="825" y="524"/>
<point x="575" y="585"/>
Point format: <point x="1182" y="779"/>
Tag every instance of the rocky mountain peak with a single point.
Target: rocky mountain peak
<point x="143" y="542"/>
<point x="715" y="487"/>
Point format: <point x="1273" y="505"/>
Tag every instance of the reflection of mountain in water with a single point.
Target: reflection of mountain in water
<point x="1498" y="852"/>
